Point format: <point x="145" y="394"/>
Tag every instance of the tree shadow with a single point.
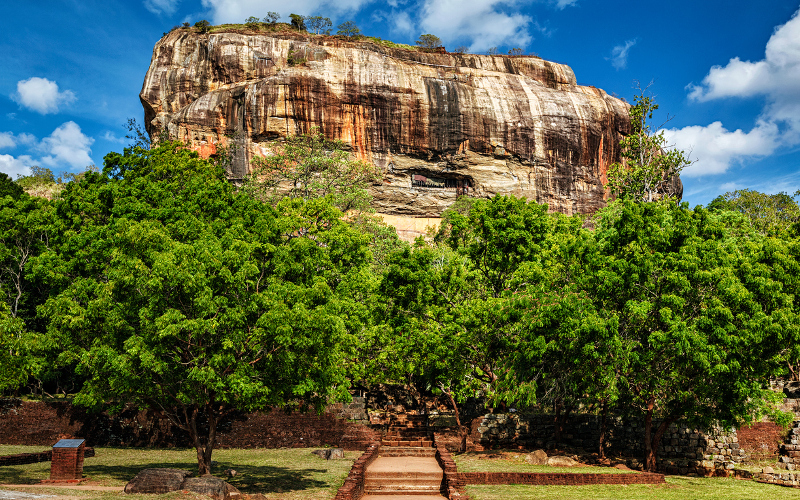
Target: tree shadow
<point x="249" y="478"/>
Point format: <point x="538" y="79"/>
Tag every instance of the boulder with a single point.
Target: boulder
<point x="561" y="461"/>
<point x="536" y="457"/>
<point x="157" y="481"/>
<point x="212" y="486"/>
<point x="438" y="126"/>
<point x="329" y="453"/>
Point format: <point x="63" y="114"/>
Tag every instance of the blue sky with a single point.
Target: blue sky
<point x="726" y="73"/>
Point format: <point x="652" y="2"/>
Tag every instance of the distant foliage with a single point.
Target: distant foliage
<point x="462" y="49"/>
<point x="203" y="26"/>
<point x="272" y="17"/>
<point x="319" y="25"/>
<point x="492" y="51"/>
<point x="252" y="22"/>
<point x="298" y="22"/>
<point x="348" y="29"/>
<point x="186" y="25"/>
<point x="428" y="41"/>
<point x="9" y="188"/>
<point x="516" y="51"/>
<point x="769" y="214"/>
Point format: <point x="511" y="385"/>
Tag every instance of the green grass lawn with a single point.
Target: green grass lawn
<point x="677" y="488"/>
<point x="292" y="474"/>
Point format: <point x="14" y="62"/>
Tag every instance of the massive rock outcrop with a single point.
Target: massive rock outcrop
<point x="436" y="124"/>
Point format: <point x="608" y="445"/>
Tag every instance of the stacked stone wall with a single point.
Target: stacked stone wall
<point x="682" y="448"/>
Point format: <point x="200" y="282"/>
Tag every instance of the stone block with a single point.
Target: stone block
<point x="157" y="481"/>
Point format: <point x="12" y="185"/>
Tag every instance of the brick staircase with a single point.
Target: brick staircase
<point x="407" y="430"/>
<point x="407" y="464"/>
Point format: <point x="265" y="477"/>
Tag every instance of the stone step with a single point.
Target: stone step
<point x="407" y="451"/>
<point x="401" y="489"/>
<point x="406" y="434"/>
<point x="407" y="444"/>
<point x="403" y="496"/>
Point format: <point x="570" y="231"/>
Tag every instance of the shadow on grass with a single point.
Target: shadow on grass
<point x="249" y="478"/>
<point x="23" y="475"/>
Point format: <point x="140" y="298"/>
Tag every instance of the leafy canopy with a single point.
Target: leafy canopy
<point x="649" y="168"/>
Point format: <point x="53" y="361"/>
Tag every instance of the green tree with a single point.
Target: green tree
<point x="769" y="214"/>
<point x="649" y="169"/>
<point x="252" y="22"/>
<point x="203" y="26"/>
<point x="428" y="41"/>
<point x="9" y="188"/>
<point x="13" y="361"/>
<point x="272" y="17"/>
<point x="298" y="22"/>
<point x="319" y="25"/>
<point x="174" y="291"/>
<point x="452" y="308"/>
<point x="348" y="29"/>
<point x="309" y="166"/>
<point x="699" y="313"/>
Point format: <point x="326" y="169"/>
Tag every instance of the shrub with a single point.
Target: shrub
<point x="203" y="26"/>
<point x="348" y="29"/>
<point x="298" y="22"/>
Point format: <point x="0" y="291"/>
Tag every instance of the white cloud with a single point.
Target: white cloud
<point x="110" y="137"/>
<point x="619" y="54"/>
<point x="729" y="186"/>
<point x="776" y="77"/>
<point x="15" y="167"/>
<point x="403" y="24"/>
<point x="41" y="95"/>
<point x="67" y="145"/>
<point x="161" y="6"/>
<point x="561" y="4"/>
<point x="714" y="148"/>
<point x="7" y="140"/>
<point x="484" y="21"/>
<point x="236" y="11"/>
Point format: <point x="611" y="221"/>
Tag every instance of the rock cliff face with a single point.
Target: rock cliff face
<point x="436" y="124"/>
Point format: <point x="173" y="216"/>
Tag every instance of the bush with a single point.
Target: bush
<point x="272" y="17"/>
<point x="203" y="26"/>
<point x="348" y="29"/>
<point x="429" y="41"/>
<point x="252" y="22"/>
<point x="298" y="22"/>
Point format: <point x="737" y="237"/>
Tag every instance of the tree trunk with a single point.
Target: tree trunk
<point x="204" y="445"/>
<point x="649" y="452"/>
<point x="463" y="432"/>
<point x="560" y="421"/>
<point x="601" y="453"/>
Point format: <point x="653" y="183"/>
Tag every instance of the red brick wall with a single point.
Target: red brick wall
<point x="761" y="440"/>
<point x="353" y="487"/>
<point x="550" y="478"/>
<point x="38" y="423"/>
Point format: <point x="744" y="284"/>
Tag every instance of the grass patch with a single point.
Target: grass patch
<point x="292" y="474"/>
<point x="493" y="461"/>
<point x="13" y="449"/>
<point x="677" y="488"/>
